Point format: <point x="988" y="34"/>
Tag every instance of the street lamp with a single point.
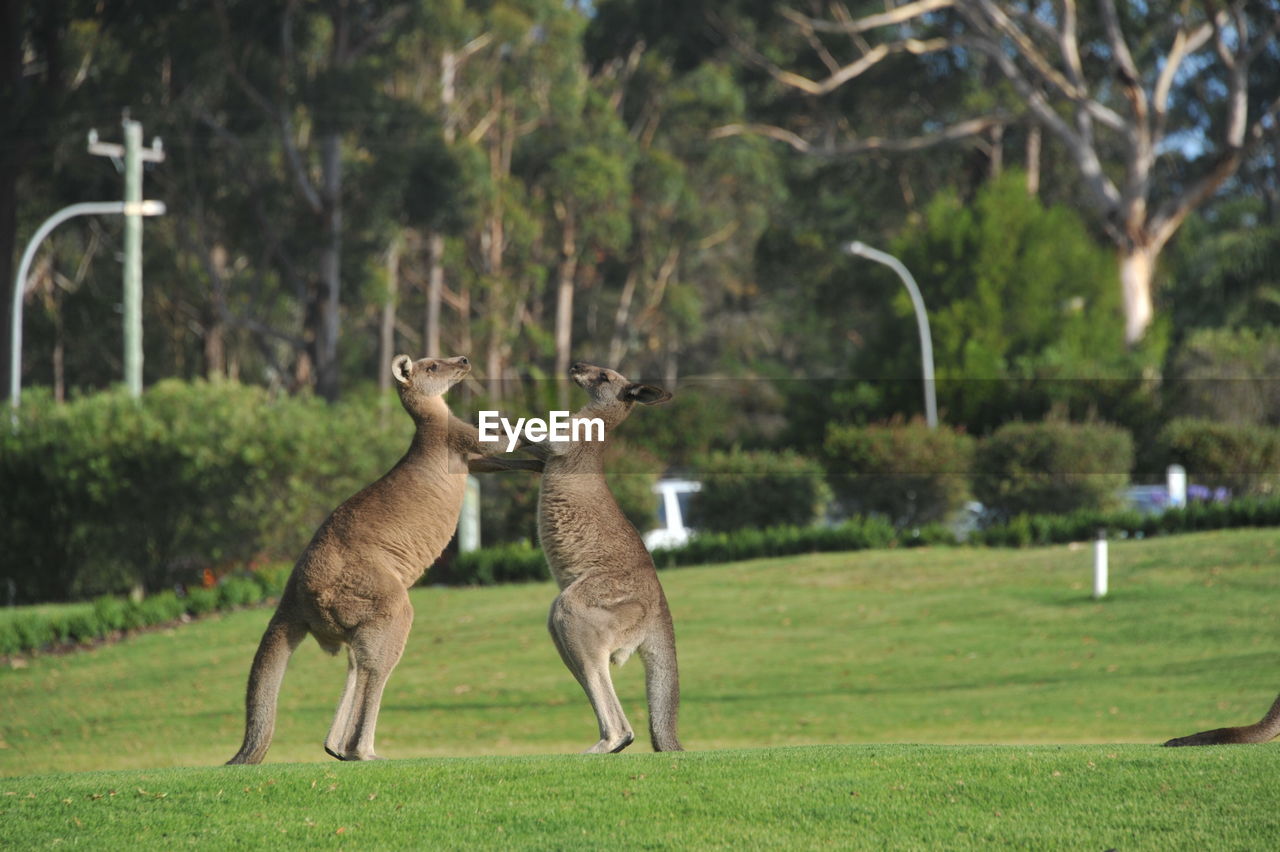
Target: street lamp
<point x="86" y="208"/>
<point x="922" y="321"/>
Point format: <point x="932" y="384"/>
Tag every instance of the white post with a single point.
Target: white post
<point x="1176" y="479"/>
<point x="1100" y="566"/>
<point x="469" y="519"/>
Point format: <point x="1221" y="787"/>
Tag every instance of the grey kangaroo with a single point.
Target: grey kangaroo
<point x="350" y="586"/>
<point x="611" y="603"/>
<point x="1264" y="730"/>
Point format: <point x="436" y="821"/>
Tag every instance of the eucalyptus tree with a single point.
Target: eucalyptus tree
<point x="1155" y="105"/>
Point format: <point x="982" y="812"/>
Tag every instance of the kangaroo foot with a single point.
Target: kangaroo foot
<point x="351" y="757"/>
<point x="611" y="745"/>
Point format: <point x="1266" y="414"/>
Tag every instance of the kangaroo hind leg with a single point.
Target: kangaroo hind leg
<point x="376" y="648"/>
<point x="584" y="647"/>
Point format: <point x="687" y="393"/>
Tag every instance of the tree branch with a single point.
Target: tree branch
<point x="905" y="12"/>
<point x="961" y="130"/>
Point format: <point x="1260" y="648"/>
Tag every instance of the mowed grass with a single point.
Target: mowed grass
<point x="844" y="654"/>
<point x="810" y="797"/>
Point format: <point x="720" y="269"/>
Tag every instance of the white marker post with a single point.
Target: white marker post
<point x="1100" y="566"/>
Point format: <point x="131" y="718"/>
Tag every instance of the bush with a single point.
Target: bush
<point x="106" y="493"/>
<point x="1241" y="457"/>
<point x="757" y="489"/>
<point x="1033" y="530"/>
<point x="238" y="591"/>
<point x="110" y="613"/>
<point x="1052" y="468"/>
<point x="908" y="473"/>
<point x="506" y="563"/>
<point x="201" y="601"/>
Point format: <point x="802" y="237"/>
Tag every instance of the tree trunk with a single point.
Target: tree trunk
<point x="435" y="287"/>
<point x="618" y="343"/>
<point x="215" y="327"/>
<point x="15" y="155"/>
<point x="1033" y="159"/>
<point x="1137" y="269"/>
<point x="387" y="326"/>
<point x="564" y="301"/>
<point x="330" y="269"/>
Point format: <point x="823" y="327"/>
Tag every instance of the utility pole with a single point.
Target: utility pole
<point x="129" y="157"/>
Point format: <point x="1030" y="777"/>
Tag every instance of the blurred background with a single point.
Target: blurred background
<point x="1087" y="199"/>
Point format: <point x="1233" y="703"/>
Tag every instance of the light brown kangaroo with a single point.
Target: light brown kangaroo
<point x="611" y="603"/>
<point x="1264" y="730"/>
<point x="350" y="586"/>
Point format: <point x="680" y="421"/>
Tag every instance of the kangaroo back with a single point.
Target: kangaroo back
<point x="277" y="645"/>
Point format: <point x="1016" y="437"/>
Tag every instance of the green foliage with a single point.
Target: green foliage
<point x="757" y="489"/>
<point x="908" y="473"/>
<point x="506" y="563"/>
<point x="1223" y="268"/>
<point x="39" y="628"/>
<point x="1052" y="467"/>
<point x="1241" y="457"/>
<point x="1023" y="308"/>
<point x="755" y="543"/>
<point x="1228" y="375"/>
<point x="1085" y="524"/>
<point x="104" y="493"/>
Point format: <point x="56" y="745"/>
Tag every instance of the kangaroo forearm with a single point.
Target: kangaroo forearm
<point x="502" y="464"/>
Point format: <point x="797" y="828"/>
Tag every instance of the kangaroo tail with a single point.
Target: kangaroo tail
<point x="1264" y="730"/>
<point x="662" y="688"/>
<point x="278" y="644"/>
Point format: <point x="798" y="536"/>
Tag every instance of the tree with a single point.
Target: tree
<point x="1156" y="105"/>
<point x="1023" y="309"/>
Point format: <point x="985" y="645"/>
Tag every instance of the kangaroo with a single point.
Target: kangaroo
<point x="350" y="586"/>
<point x="1264" y="730"/>
<point x="611" y="603"/>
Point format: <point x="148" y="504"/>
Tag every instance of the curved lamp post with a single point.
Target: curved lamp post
<point x="85" y="208"/>
<point x="922" y="321"/>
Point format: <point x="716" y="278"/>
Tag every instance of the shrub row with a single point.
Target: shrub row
<point x="34" y="631"/>
<point x="757" y="489"/>
<point x="106" y="493"/>
<point x="754" y="543"/>
<point x="916" y="475"/>
<point x="524" y="562"/>
<point x="1030" y="530"/>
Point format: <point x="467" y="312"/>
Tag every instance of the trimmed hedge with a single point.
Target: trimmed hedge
<point x="909" y="473"/>
<point x="757" y="489"/>
<point x="704" y="548"/>
<point x="1032" y="530"/>
<point x="107" y="493"/>
<point x="488" y="566"/>
<point x="1241" y="457"/>
<point x="1052" y="468"/>
<point x="33" y="632"/>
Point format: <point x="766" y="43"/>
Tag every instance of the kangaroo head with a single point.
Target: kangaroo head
<point x="613" y="395"/>
<point x="426" y="379"/>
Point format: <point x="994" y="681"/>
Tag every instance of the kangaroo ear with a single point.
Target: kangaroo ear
<point x="644" y="394"/>
<point x="401" y="367"/>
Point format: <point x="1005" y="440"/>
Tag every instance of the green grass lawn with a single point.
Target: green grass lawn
<point x="931" y="646"/>
<point x="812" y="797"/>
